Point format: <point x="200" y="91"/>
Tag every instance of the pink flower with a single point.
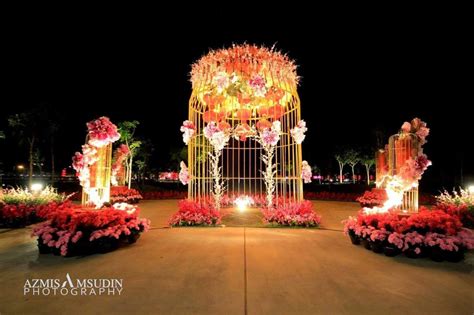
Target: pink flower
<point x="298" y="133"/>
<point x="406" y="127"/>
<point x="183" y="173"/>
<point x="78" y="162"/>
<point x="306" y="173"/>
<point x="102" y="132"/>
<point x="188" y="129"/>
<point x="221" y="81"/>
<point x="270" y="137"/>
<point x="422" y="133"/>
<point x="257" y="83"/>
<point x="210" y="130"/>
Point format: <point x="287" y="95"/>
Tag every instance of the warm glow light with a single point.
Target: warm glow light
<point x="395" y="189"/>
<point x="471" y="189"/>
<point x="20" y="167"/>
<point x="243" y="202"/>
<point x="37" y="187"/>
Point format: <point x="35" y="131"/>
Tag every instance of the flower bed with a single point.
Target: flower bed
<point x="433" y="233"/>
<point x="19" y="207"/>
<point x="460" y="204"/>
<point x="73" y="230"/>
<point x="373" y="198"/>
<point x="191" y="213"/>
<point x="124" y="194"/>
<point x="292" y="214"/>
<point x="165" y="194"/>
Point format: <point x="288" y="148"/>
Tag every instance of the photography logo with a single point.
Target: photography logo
<point x="71" y="286"/>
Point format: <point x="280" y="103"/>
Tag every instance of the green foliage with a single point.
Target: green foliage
<point x="368" y="161"/>
<point x="127" y="130"/>
<point x="2" y="135"/>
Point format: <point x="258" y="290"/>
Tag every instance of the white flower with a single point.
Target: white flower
<point x="221" y="81"/>
<point x="276" y="126"/>
<point x="306" y="173"/>
<point x="219" y="140"/>
<point x="298" y="132"/>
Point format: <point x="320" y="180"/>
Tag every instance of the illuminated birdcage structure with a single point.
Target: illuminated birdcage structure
<point x="248" y="88"/>
<point x="403" y="147"/>
<point x="98" y="191"/>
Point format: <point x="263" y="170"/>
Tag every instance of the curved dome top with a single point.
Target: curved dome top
<point x="245" y="62"/>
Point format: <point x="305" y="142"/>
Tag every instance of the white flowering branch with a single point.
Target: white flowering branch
<point x="218" y="188"/>
<point x="269" y="173"/>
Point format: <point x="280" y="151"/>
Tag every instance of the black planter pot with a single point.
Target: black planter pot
<point x="391" y="251"/>
<point x="436" y="254"/>
<point x="454" y="256"/>
<point x="133" y="237"/>
<point x="411" y="253"/>
<point x="354" y="238"/>
<point x="365" y="242"/>
<point x="106" y="244"/>
<point x="377" y="246"/>
<point x="43" y="248"/>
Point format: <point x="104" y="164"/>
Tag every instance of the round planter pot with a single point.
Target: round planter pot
<point x="377" y="246"/>
<point x="43" y="248"/>
<point x="410" y="253"/>
<point x="365" y="243"/>
<point x="454" y="256"/>
<point x="391" y="251"/>
<point x="106" y="244"/>
<point x="133" y="237"/>
<point x="436" y="254"/>
<point x="354" y="238"/>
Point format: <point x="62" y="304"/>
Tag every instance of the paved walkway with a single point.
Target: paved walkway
<point x="239" y="271"/>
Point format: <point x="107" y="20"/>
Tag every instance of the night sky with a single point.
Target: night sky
<point x="354" y="81"/>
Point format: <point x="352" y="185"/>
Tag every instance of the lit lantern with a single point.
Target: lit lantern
<point x="263" y="124"/>
<point x="276" y="111"/>
<point x="244" y="114"/>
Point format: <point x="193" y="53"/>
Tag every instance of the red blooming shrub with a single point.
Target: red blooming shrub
<point x="332" y="196"/>
<point x="124" y="194"/>
<point x="427" y="229"/>
<point x="436" y="221"/>
<point x="292" y="214"/>
<point x="20" y="215"/>
<point x="373" y="198"/>
<point x="73" y="230"/>
<point x="166" y="194"/>
<point x="192" y="213"/>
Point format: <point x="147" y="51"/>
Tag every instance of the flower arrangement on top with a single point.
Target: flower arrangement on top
<point x="20" y="207"/>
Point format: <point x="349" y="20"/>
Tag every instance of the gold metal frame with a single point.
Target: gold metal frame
<point x="240" y="161"/>
<point x="99" y="190"/>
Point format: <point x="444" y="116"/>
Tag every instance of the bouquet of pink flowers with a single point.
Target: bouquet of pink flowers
<point x="102" y="132"/>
